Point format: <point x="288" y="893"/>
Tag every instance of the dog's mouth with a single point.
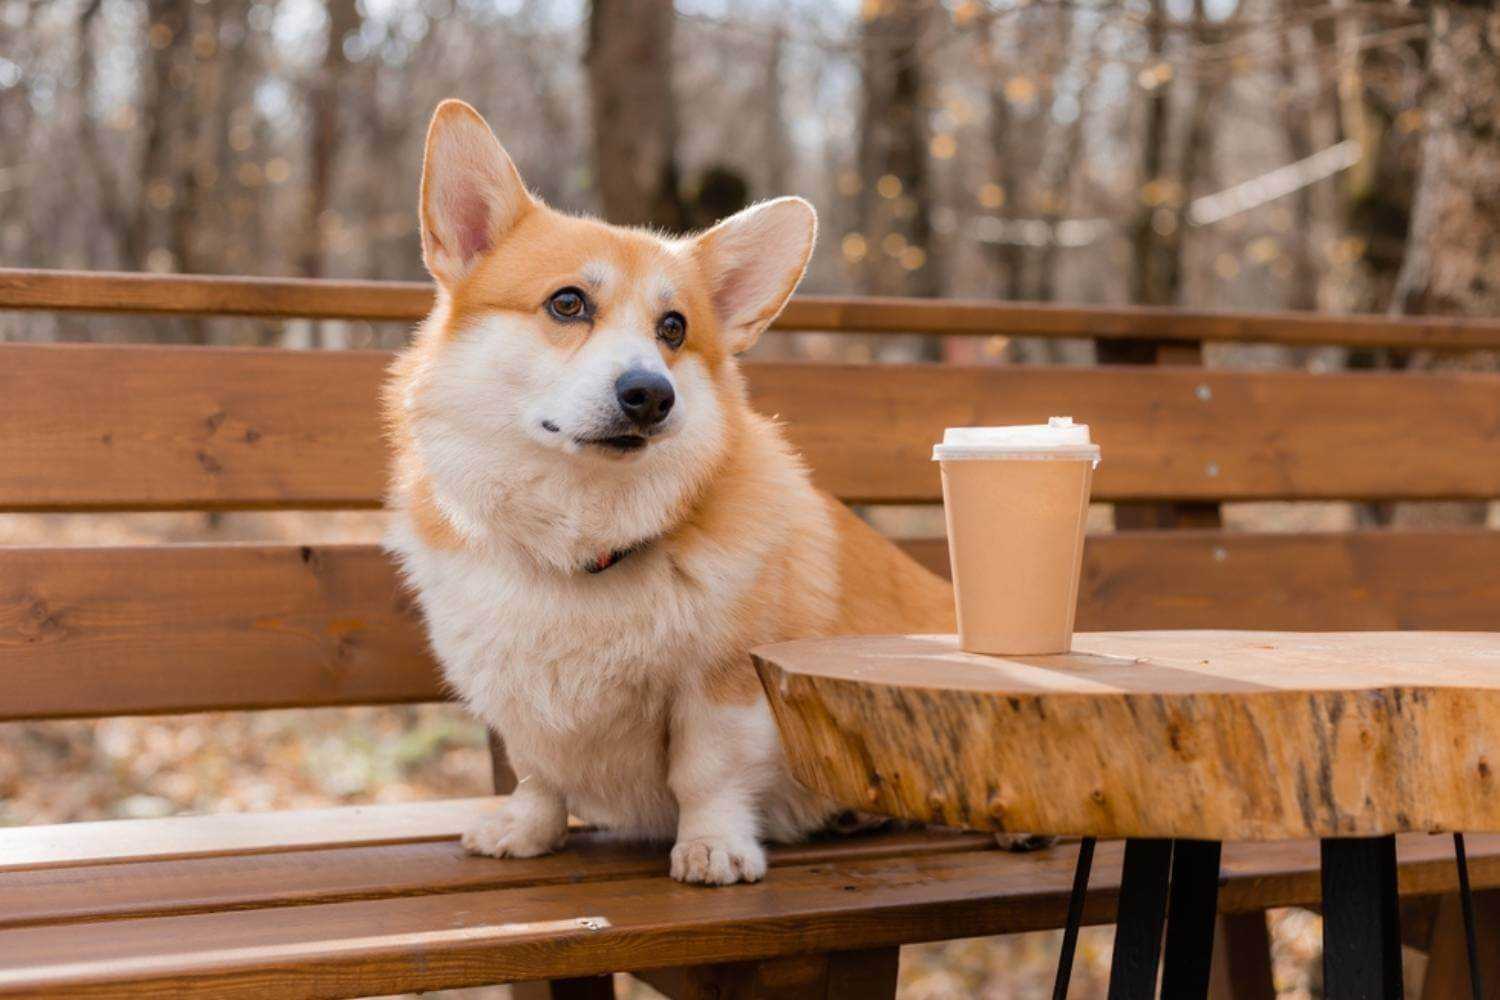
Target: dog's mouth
<point x="619" y="444"/>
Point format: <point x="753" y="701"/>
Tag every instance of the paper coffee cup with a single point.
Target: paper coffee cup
<point x="1016" y="499"/>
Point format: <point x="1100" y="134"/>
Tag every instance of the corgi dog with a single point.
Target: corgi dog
<point x="598" y="527"/>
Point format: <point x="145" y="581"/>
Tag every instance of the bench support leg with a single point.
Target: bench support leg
<point x="1447" y="972"/>
<point x="583" y="988"/>
<point x="1242" y="958"/>
<point x="842" y="975"/>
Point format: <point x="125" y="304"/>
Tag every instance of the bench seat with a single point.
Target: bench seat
<point x="357" y="901"/>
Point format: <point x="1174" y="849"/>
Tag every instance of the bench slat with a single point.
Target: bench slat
<point x="124" y="631"/>
<point x="418" y="943"/>
<point x="137" y="630"/>
<point x="178" y="838"/>
<point x="103" y="428"/>
<point x="406" y="943"/>
<point x="1321" y="580"/>
<point x="301" y="877"/>
<point x="408" y="301"/>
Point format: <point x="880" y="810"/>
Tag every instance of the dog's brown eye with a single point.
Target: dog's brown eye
<point x="569" y="303"/>
<point x="672" y="328"/>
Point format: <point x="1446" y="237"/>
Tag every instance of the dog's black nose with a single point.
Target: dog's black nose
<point x="646" y="397"/>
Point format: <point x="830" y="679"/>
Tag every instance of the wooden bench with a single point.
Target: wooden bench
<point x="366" y="900"/>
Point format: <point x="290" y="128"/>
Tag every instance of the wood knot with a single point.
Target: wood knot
<point x="40" y="623"/>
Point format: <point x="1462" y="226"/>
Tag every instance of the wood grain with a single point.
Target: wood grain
<point x="88" y="427"/>
<point x="1199" y="735"/>
<point x="212" y="295"/>
<point x="122" y="630"/>
<point x="1314" y="580"/>
<point x="404" y="942"/>
<point x="1165" y="434"/>
<point x="432" y="942"/>
<point x="283" y="874"/>
<point x="113" y="292"/>
<point x="177" y="838"/>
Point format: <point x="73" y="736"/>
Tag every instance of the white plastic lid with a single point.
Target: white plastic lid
<point x="1059" y="437"/>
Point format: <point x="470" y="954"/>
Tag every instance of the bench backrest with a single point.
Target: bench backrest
<point x="95" y="631"/>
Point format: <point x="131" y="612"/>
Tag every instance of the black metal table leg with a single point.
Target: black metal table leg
<point x="1466" y="897"/>
<point x="1361" y="919"/>
<point x="1138" y="924"/>
<point x="1190" y="919"/>
<point x="1075" y="919"/>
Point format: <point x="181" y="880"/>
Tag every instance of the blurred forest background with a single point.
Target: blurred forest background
<point x="1340" y="155"/>
<point x="1216" y="153"/>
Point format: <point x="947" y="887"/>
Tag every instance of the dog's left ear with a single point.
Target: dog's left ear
<point x="754" y="260"/>
<point x="471" y="192"/>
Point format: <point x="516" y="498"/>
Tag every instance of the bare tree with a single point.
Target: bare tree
<point x="1452" y="261"/>
<point x="1382" y="112"/>
<point x="896" y="200"/>
<point x="629" y="63"/>
<point x="324" y="97"/>
<point x="778" y="145"/>
<point x="1299" y="114"/>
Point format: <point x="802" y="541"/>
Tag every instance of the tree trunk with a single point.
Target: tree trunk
<point x="896" y="200"/>
<point x="1153" y="276"/>
<point x="634" y="113"/>
<point x="1298" y="115"/>
<point x="778" y="146"/>
<point x="1379" y="188"/>
<point x="323" y="100"/>
<point x="1452" y="262"/>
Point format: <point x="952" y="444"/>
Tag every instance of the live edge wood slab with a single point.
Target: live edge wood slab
<point x="1211" y="735"/>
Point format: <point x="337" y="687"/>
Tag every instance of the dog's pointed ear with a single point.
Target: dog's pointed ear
<point x="471" y="192"/>
<point x="754" y="260"/>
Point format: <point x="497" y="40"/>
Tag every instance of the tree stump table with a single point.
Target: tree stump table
<point x="1175" y="741"/>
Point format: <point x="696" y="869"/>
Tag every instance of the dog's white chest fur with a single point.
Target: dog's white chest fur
<point x="580" y="674"/>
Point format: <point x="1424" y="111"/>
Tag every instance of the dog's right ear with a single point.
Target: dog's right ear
<point x="471" y="192"/>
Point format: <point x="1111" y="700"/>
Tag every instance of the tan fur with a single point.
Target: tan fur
<point x="626" y="697"/>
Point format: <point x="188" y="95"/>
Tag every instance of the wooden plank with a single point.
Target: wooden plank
<point x="430" y="942"/>
<point x="1164" y="433"/>
<point x="1322" y="580"/>
<point x="109" y="427"/>
<point x="212" y="295"/>
<point x="286" y="875"/>
<point x="160" y="428"/>
<point x="123" y="631"/>
<point x="402" y="301"/>
<point x="135" y="630"/>
<point x="1335" y="580"/>
<point x="177" y="838"/>
<point x="460" y="939"/>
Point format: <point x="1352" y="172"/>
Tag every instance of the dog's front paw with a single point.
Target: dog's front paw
<point x="1023" y="841"/>
<point x="512" y="832"/>
<point x="718" y="861"/>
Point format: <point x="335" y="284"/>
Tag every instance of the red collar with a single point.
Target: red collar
<point x="605" y="560"/>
